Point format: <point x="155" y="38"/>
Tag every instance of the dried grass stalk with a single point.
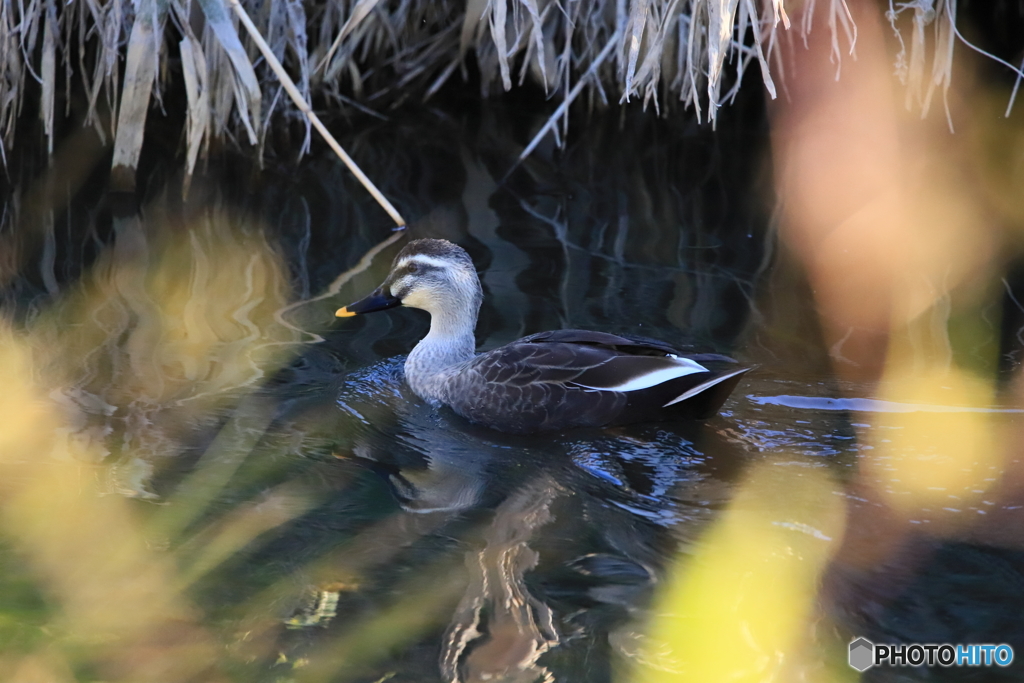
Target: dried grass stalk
<point x="139" y="75"/>
<point x="193" y="67"/>
<point x="248" y="97"/>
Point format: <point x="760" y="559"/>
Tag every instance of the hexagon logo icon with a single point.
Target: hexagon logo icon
<point x="862" y="654"/>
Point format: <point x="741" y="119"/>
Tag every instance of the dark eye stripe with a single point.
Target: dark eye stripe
<point x="418" y="268"/>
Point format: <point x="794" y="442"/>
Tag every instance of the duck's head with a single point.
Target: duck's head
<point x="431" y="274"/>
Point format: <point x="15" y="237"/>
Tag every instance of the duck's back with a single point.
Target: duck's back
<point x="578" y="378"/>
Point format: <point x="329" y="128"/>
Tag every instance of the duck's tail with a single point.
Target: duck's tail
<point x="703" y="400"/>
<point x="710" y="384"/>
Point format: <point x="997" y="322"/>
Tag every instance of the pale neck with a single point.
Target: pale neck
<point x="449" y="342"/>
<point x="452" y="323"/>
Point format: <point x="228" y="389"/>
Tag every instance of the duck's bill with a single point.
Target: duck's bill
<point x="378" y="301"/>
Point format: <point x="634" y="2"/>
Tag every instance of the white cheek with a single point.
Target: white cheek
<point x="397" y="286"/>
<point x="417" y="299"/>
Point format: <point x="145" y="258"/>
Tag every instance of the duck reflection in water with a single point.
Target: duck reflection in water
<point x="570" y="531"/>
<point x="500" y="630"/>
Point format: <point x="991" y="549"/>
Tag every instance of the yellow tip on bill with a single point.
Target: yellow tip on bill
<point x="343" y="312"/>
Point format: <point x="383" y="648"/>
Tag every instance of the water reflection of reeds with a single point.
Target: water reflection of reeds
<point x="165" y="326"/>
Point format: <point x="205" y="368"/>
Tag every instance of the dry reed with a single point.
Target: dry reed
<point x="370" y="55"/>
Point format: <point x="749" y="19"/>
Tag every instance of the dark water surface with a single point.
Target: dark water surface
<point x="328" y="526"/>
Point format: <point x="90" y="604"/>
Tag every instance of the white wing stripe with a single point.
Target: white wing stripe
<point x="683" y="367"/>
<point x="693" y="391"/>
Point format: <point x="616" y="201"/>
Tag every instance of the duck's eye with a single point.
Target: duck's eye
<point x="412" y="268"/>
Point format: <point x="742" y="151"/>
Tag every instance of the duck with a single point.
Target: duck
<point x="544" y="382"/>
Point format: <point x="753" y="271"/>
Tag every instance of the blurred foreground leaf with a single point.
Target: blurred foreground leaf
<point x="738" y="609"/>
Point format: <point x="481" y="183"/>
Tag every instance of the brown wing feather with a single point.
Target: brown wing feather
<point x="526" y="387"/>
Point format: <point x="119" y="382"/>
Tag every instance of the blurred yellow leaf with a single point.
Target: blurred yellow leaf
<point x="738" y="609"/>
